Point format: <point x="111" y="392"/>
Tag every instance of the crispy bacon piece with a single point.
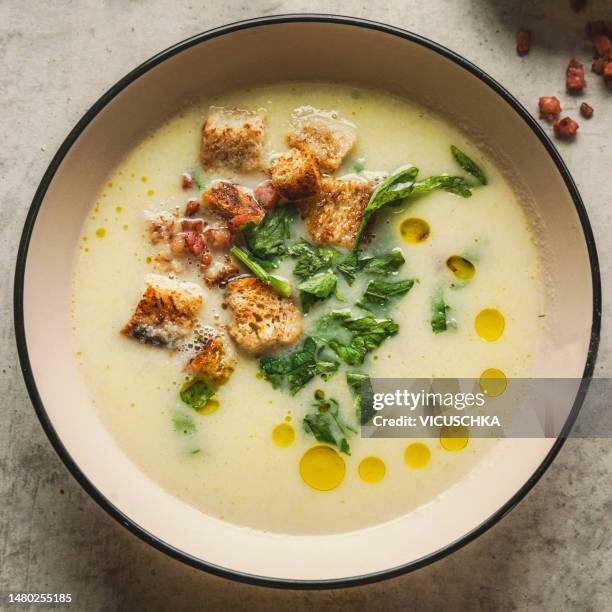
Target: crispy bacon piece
<point x="550" y="107"/>
<point x="205" y="258"/>
<point x="574" y="80"/>
<point x="565" y="128"/>
<point x="607" y="71"/>
<point x="235" y="223"/>
<point x="598" y="66"/>
<point x="194" y="242"/>
<point x="586" y="111"/>
<point x="217" y="237"/>
<point x="191" y="208"/>
<point x="523" y="42"/>
<point x="602" y="44"/>
<point x="186" y="181"/>
<point x="266" y="194"/>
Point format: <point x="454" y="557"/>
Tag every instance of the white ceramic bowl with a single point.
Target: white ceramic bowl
<point x="278" y="49"/>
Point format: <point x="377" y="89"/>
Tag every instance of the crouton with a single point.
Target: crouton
<point x="327" y="137"/>
<point x="262" y="319"/>
<point x="232" y="138"/>
<point x="295" y="174"/>
<point x="215" y="360"/>
<point x="166" y="312"/>
<point x="333" y="216"/>
<point x="230" y="200"/>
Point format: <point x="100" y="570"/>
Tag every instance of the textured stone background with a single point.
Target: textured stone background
<point x="552" y="552"/>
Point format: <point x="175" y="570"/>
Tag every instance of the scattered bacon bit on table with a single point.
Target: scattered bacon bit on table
<point x="565" y="128"/>
<point x="607" y="71"/>
<point x="191" y="208"/>
<point x="574" y="80"/>
<point x="602" y="44"/>
<point x="523" y="42"/>
<point x="186" y="181"/>
<point x="586" y="110"/>
<point x="550" y="107"/>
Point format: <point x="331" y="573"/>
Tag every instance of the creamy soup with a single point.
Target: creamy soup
<point x="246" y="455"/>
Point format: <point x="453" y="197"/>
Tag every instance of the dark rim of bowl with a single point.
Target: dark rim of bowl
<point x="152" y="539"/>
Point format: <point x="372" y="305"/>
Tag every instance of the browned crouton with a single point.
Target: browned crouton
<point x="329" y="138"/>
<point x="232" y="138"/>
<point x="333" y="216"/>
<point x="229" y="200"/>
<point x="165" y="313"/>
<point x="263" y="319"/>
<point x="295" y="174"/>
<point x="215" y="361"/>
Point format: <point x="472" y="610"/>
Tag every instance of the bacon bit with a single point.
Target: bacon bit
<point x="205" y="259"/>
<point x="218" y="237"/>
<point x="607" y="71"/>
<point x="186" y="181"/>
<point x="594" y="28"/>
<point x="598" y="66"/>
<point x="265" y="193"/>
<point x="177" y="245"/>
<point x="602" y="44"/>
<point x="565" y="128"/>
<point x="523" y="42"/>
<point x="236" y="222"/>
<point x="192" y="207"/>
<point x="550" y="107"/>
<point x="195" y="243"/>
<point x="192" y="225"/>
<point x="575" y="76"/>
<point x="586" y="110"/>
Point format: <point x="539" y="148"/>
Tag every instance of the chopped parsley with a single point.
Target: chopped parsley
<point x="327" y="425"/>
<point x="196" y="393"/>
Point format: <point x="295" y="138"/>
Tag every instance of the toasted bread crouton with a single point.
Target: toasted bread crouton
<point x="230" y="200"/>
<point x="329" y="138"/>
<point x="333" y="216"/>
<point x="233" y="138"/>
<point x="165" y="313"/>
<point x="295" y="174"/>
<point x="215" y="360"/>
<point x="263" y="319"/>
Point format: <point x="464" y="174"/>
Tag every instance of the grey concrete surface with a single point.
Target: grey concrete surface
<point x="553" y="552"/>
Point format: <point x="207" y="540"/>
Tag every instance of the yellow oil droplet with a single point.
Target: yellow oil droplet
<point x="417" y="455"/>
<point x="118" y="209"/>
<point x="372" y="470"/>
<point x="322" y="468"/>
<point x="110" y="184"/>
<point x="454" y="438"/>
<point x="461" y="267"/>
<point x="288" y="418"/>
<point x="100" y="232"/>
<point x="148" y="260"/>
<point x="283" y="435"/>
<point x="212" y="405"/>
<point x="493" y="382"/>
<point x="490" y="324"/>
<point x="143" y="179"/>
<point x="150" y="192"/>
<point x="125" y="227"/>
<point x="415" y="230"/>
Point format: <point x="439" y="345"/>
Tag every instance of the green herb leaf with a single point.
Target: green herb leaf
<point x="363" y="394"/>
<point x="311" y="258"/>
<point x="183" y="423"/>
<point x="196" y="393"/>
<point x="198" y="179"/>
<point x="276" y="283"/>
<point x="441" y="318"/>
<point x="397" y="186"/>
<point x="356" y="261"/>
<point x="455" y="184"/>
<point x="316" y="288"/>
<point x="268" y="238"/>
<point x="379" y="292"/>
<point x="469" y="165"/>
<point x="351" y="339"/>
<point x="327" y="425"/>
<point x="296" y="368"/>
